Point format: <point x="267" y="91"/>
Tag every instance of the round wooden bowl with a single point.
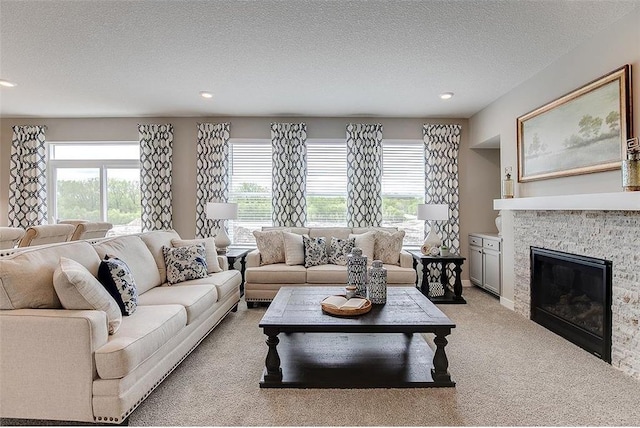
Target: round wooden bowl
<point x="346" y="312"/>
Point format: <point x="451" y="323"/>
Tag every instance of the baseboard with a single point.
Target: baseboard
<point x="507" y="303"/>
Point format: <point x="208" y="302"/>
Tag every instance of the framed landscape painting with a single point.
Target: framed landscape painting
<point x="582" y="132"/>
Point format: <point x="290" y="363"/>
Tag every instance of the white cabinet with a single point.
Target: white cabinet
<point x="485" y="261"/>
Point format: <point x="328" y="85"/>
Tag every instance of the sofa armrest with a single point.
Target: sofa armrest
<point x="253" y="259"/>
<point x="406" y="259"/>
<point x="223" y="262"/>
<point x="47" y="362"/>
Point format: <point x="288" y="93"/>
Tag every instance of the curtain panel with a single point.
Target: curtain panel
<point x="364" y="175"/>
<point x="155" y="175"/>
<point x="289" y="156"/>
<point x="212" y="174"/>
<point x="442" y="143"/>
<point x="28" y="177"/>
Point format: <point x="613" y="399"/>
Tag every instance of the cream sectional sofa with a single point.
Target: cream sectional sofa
<point x="59" y="364"/>
<point x="263" y="281"/>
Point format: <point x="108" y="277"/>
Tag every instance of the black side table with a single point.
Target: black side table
<point x="443" y="261"/>
<point x="237" y="253"/>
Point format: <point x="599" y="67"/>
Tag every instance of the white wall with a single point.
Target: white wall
<point x="605" y="52"/>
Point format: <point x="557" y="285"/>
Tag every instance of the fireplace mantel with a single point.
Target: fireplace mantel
<point x="616" y="201"/>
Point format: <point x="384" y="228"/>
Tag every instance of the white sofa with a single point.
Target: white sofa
<point x="263" y="281"/>
<point x="59" y="364"/>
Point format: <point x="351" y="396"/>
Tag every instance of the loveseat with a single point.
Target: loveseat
<point x="63" y="364"/>
<point x="286" y="265"/>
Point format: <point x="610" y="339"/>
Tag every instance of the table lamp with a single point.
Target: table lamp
<point x="433" y="213"/>
<point x="222" y="211"/>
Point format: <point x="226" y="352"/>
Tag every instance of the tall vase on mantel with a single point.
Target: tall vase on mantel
<point x="357" y="271"/>
<point x="499" y="223"/>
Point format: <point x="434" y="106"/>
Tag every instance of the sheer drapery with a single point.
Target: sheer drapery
<point x="155" y="176"/>
<point x="364" y="175"/>
<point x="212" y="174"/>
<point x="28" y="177"/>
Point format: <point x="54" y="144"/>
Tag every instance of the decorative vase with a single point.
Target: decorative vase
<point x="377" y="283"/>
<point x="357" y="271"/>
<point x="631" y="175"/>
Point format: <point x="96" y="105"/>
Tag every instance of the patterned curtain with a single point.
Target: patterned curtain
<point x="212" y="180"/>
<point x="364" y="175"/>
<point x="441" y="143"/>
<point x="28" y="177"/>
<point x="155" y="176"/>
<point x="289" y="154"/>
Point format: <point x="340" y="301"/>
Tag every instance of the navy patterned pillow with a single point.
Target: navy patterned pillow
<point x="185" y="263"/>
<point x="339" y="250"/>
<point x="315" y="251"/>
<point x="116" y="277"/>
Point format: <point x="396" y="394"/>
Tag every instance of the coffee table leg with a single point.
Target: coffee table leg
<point x="273" y="372"/>
<point x="439" y="371"/>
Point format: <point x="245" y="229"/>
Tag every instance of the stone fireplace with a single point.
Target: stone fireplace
<point x="608" y="235"/>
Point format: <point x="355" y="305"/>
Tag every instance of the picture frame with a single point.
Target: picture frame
<point x="582" y="132"/>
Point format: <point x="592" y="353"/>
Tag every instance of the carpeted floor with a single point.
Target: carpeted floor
<point x="509" y="371"/>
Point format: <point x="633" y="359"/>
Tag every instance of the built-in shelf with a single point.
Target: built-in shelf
<point x="617" y="201"/>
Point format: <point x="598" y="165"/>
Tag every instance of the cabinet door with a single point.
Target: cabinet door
<point x="491" y="270"/>
<point x="475" y="265"/>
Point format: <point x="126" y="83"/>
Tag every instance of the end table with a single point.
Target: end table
<point x="443" y="261"/>
<point x="238" y="254"/>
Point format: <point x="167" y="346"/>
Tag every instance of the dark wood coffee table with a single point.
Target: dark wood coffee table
<point x="318" y="350"/>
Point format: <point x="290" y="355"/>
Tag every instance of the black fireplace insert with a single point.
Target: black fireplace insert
<point x="571" y="296"/>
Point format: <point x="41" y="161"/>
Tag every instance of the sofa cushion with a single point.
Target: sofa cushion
<point x="315" y="251"/>
<point x="400" y="275"/>
<point x="78" y="289"/>
<point x="276" y="273"/>
<point x="155" y="240"/>
<point x="117" y="279"/>
<point x="196" y="299"/>
<point x="327" y="274"/>
<point x="339" y="249"/>
<point x="213" y="265"/>
<point x="388" y="246"/>
<point x="226" y="282"/>
<point x="139" y="337"/>
<point x="293" y="249"/>
<point x="271" y="246"/>
<point x="26" y="277"/>
<point x="185" y="263"/>
<point x="366" y="242"/>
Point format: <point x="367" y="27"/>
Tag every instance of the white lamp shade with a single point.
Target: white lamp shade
<point x="222" y="210"/>
<point x="433" y="212"/>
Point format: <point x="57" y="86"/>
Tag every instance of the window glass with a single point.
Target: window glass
<point x="326" y="183"/>
<point x="78" y="193"/>
<point x="123" y="200"/>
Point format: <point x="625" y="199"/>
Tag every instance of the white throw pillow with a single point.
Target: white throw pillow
<point x="293" y="249"/>
<point x="209" y="247"/>
<point x="78" y="289"/>
<point x="270" y="245"/>
<point x="388" y="247"/>
<point x="366" y="242"/>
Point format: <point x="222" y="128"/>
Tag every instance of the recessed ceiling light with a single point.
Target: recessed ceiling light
<point x="7" y="84"/>
<point x="446" y="95"/>
<point x="205" y="94"/>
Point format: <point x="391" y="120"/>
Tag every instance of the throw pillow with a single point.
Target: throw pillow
<point x="210" y="250"/>
<point x="366" y="242"/>
<point x="77" y="288"/>
<point x="388" y="247"/>
<point x="315" y="251"/>
<point x="116" y="277"/>
<point x="339" y="249"/>
<point x="185" y="263"/>
<point x="270" y="245"/>
<point x="293" y="249"/>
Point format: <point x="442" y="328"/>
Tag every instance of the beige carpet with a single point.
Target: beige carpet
<point x="509" y="371"/>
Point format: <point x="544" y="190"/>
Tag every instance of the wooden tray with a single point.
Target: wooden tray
<point x="346" y="312"/>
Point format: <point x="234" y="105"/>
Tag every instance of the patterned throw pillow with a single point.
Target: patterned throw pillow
<point x="213" y="266"/>
<point x="270" y="245"/>
<point x="116" y="277"/>
<point x="339" y="250"/>
<point x="315" y="251"/>
<point x="185" y="263"/>
<point x="388" y="247"/>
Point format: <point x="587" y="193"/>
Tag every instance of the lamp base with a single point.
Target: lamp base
<point x="222" y="240"/>
<point x="432" y="243"/>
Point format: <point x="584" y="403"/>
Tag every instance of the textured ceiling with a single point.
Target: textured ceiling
<point x="265" y="58"/>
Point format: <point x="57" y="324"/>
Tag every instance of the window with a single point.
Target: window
<point x="98" y="181"/>
<point x="250" y="187"/>
<point x="326" y="183"/>
<point x="403" y="189"/>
